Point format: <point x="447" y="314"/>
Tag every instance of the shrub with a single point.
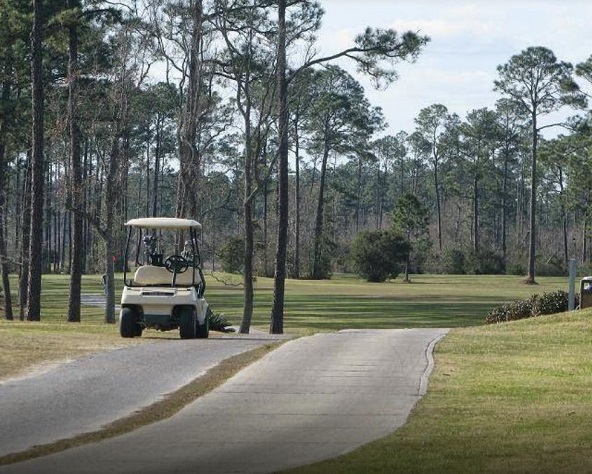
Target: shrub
<point x="536" y="305"/>
<point x="232" y="255"/>
<point x="218" y="322"/>
<point x="485" y="262"/>
<point x="378" y="255"/>
<point x="521" y="309"/>
<point x="517" y="268"/>
<point x="453" y="262"/>
<point x="551" y="267"/>
<point x="499" y="314"/>
<point x="551" y="303"/>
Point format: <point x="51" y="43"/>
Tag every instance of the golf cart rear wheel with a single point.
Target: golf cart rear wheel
<point x="187" y="323"/>
<point x="203" y="330"/>
<point x="128" y="325"/>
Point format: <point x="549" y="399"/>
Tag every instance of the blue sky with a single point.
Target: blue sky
<point x="469" y="39"/>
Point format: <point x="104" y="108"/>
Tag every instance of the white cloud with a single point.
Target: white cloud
<point x="469" y="39"/>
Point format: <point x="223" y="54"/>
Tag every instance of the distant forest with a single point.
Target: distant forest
<point x="222" y="111"/>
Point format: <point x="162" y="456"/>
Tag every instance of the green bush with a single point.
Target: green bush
<point x="378" y="255"/>
<point x="536" y="305"/>
<point x="499" y="314"/>
<point x="453" y="262"/>
<point x="517" y="268"/>
<point x="551" y="303"/>
<point x="218" y="322"/>
<point x="485" y="262"/>
<point x="551" y="267"/>
<point x="232" y="255"/>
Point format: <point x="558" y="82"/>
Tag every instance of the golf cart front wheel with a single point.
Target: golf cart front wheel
<point x="187" y="323"/>
<point x="128" y="326"/>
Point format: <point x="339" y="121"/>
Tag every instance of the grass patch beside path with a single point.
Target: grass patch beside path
<point x="158" y="411"/>
<point x="513" y="397"/>
<point x="31" y="347"/>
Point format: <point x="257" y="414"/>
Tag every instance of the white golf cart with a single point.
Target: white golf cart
<point x="164" y="285"/>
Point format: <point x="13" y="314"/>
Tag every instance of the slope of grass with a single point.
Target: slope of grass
<point x="513" y="397"/>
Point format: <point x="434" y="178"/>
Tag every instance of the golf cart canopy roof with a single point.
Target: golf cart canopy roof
<point x="163" y="223"/>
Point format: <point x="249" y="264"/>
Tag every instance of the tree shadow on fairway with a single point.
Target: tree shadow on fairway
<point x="390" y="312"/>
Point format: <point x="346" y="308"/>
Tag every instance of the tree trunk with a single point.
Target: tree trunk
<point x="109" y="214"/>
<point x="297" y="199"/>
<point x="26" y="233"/>
<point x="565" y="236"/>
<point x="316" y="272"/>
<point x="189" y="154"/>
<point x="438" y="205"/>
<point x="277" y="311"/>
<point x="4" y="264"/>
<point x="504" y="209"/>
<point x="249" y="236"/>
<point x="407" y="267"/>
<point x="533" y="186"/>
<point x="110" y="281"/>
<point x="585" y="239"/>
<point x="155" y="180"/>
<point x="77" y="244"/>
<point x="266" y="228"/>
<point x="33" y="312"/>
<point x="359" y="194"/>
<point x="476" y="243"/>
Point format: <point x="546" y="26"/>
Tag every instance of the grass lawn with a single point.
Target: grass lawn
<point x="513" y="397"/>
<point x="347" y="302"/>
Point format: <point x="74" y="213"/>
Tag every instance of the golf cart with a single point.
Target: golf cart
<point x="164" y="285"/>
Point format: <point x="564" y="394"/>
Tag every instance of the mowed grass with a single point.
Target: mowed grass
<point x="348" y="302"/>
<point x="511" y="398"/>
<point x="345" y="302"/>
<point x="26" y="346"/>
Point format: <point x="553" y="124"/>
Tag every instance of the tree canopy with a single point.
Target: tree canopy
<point x="224" y="112"/>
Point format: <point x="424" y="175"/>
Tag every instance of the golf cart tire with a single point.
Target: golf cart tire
<point x="128" y="325"/>
<point x="203" y="330"/>
<point x="187" y="323"/>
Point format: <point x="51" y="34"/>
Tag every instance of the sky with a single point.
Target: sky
<point x="469" y="39"/>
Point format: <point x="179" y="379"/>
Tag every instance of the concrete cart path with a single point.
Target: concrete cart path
<point x="311" y="399"/>
<point x="88" y="393"/>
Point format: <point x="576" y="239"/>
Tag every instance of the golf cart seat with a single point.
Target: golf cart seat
<point x="152" y="275"/>
<point x="188" y="278"/>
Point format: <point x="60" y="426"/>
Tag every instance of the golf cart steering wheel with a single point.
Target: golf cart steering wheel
<point x="176" y="264"/>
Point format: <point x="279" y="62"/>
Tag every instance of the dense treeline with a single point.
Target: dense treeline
<point x="217" y="110"/>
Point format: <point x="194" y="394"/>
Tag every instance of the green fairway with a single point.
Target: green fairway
<point x="346" y="302"/>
